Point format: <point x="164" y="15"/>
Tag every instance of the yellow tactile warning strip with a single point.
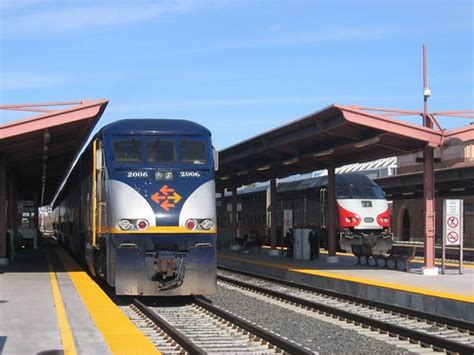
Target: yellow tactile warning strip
<point x="417" y="260"/>
<point x="159" y="229"/>
<point x="331" y="275"/>
<point x="120" y="334"/>
<point x="67" y="340"/>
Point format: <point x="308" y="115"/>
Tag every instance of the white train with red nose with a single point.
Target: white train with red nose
<point x="363" y="213"/>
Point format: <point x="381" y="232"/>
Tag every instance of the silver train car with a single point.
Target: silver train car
<point x="139" y="210"/>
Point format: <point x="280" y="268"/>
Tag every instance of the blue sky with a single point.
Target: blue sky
<point x="238" y="67"/>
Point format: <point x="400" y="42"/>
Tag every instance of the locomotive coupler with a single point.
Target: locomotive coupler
<point x="167" y="269"/>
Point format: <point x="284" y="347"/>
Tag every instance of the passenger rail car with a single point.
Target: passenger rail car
<point x="139" y="208"/>
<point x="363" y="215"/>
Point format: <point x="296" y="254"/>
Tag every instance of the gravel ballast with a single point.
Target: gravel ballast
<point x="319" y="336"/>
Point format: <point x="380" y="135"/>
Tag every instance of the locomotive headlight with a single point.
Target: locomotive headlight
<point x="164" y="175"/>
<point x="206" y="224"/>
<point x="348" y="219"/>
<point x="125" y="224"/>
<point x="385" y="220"/>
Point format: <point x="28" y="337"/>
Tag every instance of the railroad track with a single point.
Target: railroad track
<point x="439" y="333"/>
<point x="199" y="327"/>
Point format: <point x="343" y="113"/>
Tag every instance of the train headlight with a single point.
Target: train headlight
<point x="125" y="224"/>
<point x="206" y="224"/>
<point x="191" y="224"/>
<point x="142" y="224"/>
<point x="164" y="175"/>
<point x="348" y="219"/>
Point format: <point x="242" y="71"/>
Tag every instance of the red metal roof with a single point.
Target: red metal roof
<point x="40" y="149"/>
<point x="336" y="135"/>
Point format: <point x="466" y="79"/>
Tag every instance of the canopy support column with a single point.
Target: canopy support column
<point x="428" y="182"/>
<point x="3" y="212"/>
<point x="332" y="236"/>
<point x="234" y="213"/>
<point x="428" y="193"/>
<point x="273" y="219"/>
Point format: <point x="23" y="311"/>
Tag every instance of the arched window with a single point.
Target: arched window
<point x="405" y="230"/>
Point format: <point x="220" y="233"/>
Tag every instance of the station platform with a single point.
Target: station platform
<point x="50" y="305"/>
<point x="450" y="295"/>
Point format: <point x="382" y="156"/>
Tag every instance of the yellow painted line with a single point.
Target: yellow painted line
<point x="67" y="339"/>
<point x="120" y="334"/>
<point x="417" y="260"/>
<point x="393" y="286"/>
<point x="159" y="229"/>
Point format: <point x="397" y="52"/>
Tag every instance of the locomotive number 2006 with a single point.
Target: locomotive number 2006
<point x="189" y="174"/>
<point x="137" y="174"/>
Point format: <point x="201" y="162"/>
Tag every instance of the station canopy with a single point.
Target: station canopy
<point x="452" y="181"/>
<point x="39" y="150"/>
<point x="334" y="136"/>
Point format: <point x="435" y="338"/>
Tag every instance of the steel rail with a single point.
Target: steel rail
<point x="451" y="322"/>
<point x="391" y="328"/>
<point x="264" y="334"/>
<point x="181" y="339"/>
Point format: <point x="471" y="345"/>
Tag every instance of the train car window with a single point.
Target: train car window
<point x="343" y="192"/>
<point x="193" y="152"/>
<point x="127" y="151"/>
<point x="373" y="192"/>
<point x="161" y="152"/>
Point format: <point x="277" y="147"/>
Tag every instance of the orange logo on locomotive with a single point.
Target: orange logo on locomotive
<point x="167" y="199"/>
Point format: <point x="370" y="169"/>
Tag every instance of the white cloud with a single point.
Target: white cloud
<point x="29" y="81"/>
<point x="60" y="19"/>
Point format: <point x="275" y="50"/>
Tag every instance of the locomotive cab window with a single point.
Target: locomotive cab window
<point x="127" y="151"/>
<point x="161" y="152"/>
<point x="193" y="152"/>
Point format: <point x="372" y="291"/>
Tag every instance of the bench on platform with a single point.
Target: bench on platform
<point x="363" y="253"/>
<point x="401" y="253"/>
<point x="397" y="254"/>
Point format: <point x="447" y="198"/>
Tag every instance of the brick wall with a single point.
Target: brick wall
<point x="415" y="209"/>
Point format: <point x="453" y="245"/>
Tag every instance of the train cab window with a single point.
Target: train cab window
<point x="127" y="151"/>
<point x="371" y="192"/>
<point x="193" y="152"/>
<point x="343" y="192"/>
<point x="161" y="151"/>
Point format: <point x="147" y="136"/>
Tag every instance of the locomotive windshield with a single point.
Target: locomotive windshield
<point x="161" y="151"/>
<point x="127" y="151"/>
<point x="169" y="150"/>
<point x="194" y="152"/>
<point x="359" y="192"/>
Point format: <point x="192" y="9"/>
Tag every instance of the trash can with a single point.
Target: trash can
<point x="301" y="249"/>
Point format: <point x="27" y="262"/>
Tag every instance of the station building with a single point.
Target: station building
<point x="454" y="179"/>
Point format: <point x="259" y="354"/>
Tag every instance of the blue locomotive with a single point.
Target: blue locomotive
<point x="139" y="208"/>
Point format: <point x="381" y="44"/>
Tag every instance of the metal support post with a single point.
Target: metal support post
<point x="332" y="237"/>
<point x="428" y="183"/>
<point x="3" y="211"/>
<point x="429" y="210"/>
<point x="273" y="219"/>
<point x="234" y="213"/>
<point x="12" y="214"/>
